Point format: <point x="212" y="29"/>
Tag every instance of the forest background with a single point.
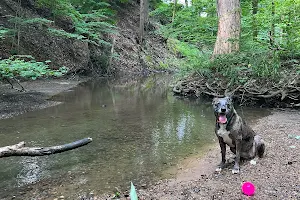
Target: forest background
<point x="249" y="48"/>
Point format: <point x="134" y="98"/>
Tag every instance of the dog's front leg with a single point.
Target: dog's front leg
<point x="223" y="153"/>
<point x="238" y="146"/>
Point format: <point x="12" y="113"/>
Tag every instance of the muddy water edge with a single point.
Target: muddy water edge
<point x="140" y="133"/>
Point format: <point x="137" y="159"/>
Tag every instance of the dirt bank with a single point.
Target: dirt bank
<point x="276" y="176"/>
<point x="130" y="57"/>
<point x="36" y="96"/>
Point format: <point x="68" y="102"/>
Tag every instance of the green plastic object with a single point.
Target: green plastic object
<point x="133" y="195"/>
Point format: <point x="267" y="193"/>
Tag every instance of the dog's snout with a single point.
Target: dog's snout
<point x="223" y="109"/>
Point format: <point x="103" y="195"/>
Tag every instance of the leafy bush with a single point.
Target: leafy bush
<point x="188" y="24"/>
<point x="190" y="57"/>
<point x="91" y="19"/>
<point x="163" y="13"/>
<point x="32" y="69"/>
<point x="243" y="66"/>
<point x="4" y="32"/>
<point x="192" y="34"/>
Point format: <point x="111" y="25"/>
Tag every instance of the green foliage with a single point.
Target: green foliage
<point x="37" y="20"/>
<point x="191" y="58"/>
<point x="285" y="21"/>
<point x="4" y="32"/>
<point x="60" y="8"/>
<point x="189" y="24"/>
<point x="62" y="33"/>
<point x="192" y="34"/>
<point x="32" y="69"/>
<point x="163" y="13"/>
<point x="243" y="66"/>
<point x="91" y="19"/>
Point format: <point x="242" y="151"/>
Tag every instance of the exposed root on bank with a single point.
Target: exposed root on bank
<point x="285" y="93"/>
<point x="12" y="85"/>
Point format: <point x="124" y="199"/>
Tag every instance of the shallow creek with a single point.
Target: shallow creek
<point x="139" y="130"/>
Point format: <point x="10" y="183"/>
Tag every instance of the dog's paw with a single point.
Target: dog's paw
<point x="218" y="169"/>
<point x="235" y="171"/>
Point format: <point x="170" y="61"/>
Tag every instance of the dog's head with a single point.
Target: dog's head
<point x="223" y="108"/>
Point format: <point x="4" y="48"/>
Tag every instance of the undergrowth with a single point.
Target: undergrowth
<point x="239" y="67"/>
<point x="191" y="35"/>
<point x="28" y="68"/>
<point x="91" y="19"/>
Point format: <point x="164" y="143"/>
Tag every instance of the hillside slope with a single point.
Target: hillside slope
<point x="80" y="56"/>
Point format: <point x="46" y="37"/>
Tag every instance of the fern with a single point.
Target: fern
<point x="62" y="33"/>
<point x="4" y="32"/>
<point x="91" y="19"/>
<point x="42" y="21"/>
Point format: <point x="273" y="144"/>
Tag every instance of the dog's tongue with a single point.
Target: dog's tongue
<point x="222" y="119"/>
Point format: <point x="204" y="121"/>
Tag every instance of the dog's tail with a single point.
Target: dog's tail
<point x="260" y="146"/>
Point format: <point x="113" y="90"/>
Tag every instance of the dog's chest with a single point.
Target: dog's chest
<point x="222" y="132"/>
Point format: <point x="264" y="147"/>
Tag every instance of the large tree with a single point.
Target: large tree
<point x="254" y="19"/>
<point x="144" y="18"/>
<point x="174" y="10"/>
<point x="229" y="26"/>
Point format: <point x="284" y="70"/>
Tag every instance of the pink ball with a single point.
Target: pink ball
<point x="248" y="188"/>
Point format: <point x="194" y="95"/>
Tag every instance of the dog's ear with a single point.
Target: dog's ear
<point x="215" y="100"/>
<point x="229" y="98"/>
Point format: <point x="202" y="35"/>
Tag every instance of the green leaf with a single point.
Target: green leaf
<point x="17" y="67"/>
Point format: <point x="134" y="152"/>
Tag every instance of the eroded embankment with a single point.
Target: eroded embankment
<point x="281" y="92"/>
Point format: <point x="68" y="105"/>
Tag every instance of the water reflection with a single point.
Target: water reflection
<point x="138" y="127"/>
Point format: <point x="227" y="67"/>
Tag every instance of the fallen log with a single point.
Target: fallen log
<point x="20" y="149"/>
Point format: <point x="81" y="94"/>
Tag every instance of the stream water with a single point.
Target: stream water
<point x="139" y="130"/>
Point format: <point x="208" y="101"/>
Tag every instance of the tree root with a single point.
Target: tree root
<point x="283" y="93"/>
<point x="12" y="86"/>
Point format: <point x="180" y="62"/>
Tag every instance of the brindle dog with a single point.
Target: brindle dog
<point x="232" y="130"/>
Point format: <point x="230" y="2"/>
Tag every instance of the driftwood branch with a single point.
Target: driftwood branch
<point x="20" y="149"/>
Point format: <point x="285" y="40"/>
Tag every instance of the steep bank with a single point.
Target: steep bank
<point x="34" y="38"/>
<point x="134" y="57"/>
<point x="284" y="91"/>
<point x="126" y="55"/>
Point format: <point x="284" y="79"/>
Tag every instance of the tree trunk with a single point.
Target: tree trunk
<point x="142" y="21"/>
<point x="272" y="31"/>
<point x="144" y="18"/>
<point x="20" y="149"/>
<point x="186" y="3"/>
<point x="288" y="28"/>
<point x="174" y="10"/>
<point x="146" y="14"/>
<point x="254" y="20"/>
<point x="229" y="27"/>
